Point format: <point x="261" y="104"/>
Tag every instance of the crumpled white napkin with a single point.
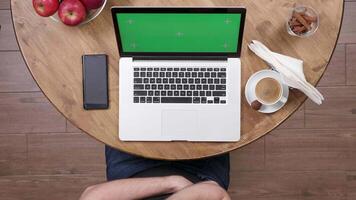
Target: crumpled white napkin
<point x="291" y="70"/>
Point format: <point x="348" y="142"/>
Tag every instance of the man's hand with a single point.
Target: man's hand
<point x="178" y="183"/>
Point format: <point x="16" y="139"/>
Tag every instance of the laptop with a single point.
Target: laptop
<point x="179" y="73"/>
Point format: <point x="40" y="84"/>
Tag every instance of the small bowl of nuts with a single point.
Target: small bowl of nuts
<point x="303" y="21"/>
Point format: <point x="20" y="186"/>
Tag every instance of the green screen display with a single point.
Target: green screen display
<point x="179" y="32"/>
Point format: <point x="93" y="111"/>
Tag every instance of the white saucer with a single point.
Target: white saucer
<point x="251" y="85"/>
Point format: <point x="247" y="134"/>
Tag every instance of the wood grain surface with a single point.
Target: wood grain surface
<point x="53" y="53"/>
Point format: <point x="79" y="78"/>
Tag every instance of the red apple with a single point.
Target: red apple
<point x="72" y="12"/>
<point x="45" y="8"/>
<point x="92" y="4"/>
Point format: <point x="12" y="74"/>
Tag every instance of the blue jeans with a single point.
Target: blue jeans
<point x="120" y="165"/>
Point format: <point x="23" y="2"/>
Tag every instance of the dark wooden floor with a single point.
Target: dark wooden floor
<point x="312" y="156"/>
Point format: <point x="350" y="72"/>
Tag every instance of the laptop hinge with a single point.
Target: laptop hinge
<point x="179" y="58"/>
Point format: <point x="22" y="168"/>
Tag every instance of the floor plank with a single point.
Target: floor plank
<point x="45" y="187"/>
<point x="296" y="120"/>
<point x="284" y="185"/>
<point x="249" y="158"/>
<point x="71" y="128"/>
<point x="351" y="64"/>
<point x="311" y="149"/>
<point x="351" y="185"/>
<point x="337" y="111"/>
<point x="348" y="29"/>
<point x="14" y="75"/>
<point x="5" y="4"/>
<point x="335" y="73"/>
<point x="7" y="35"/>
<point x="13" y="154"/>
<point x="28" y="112"/>
<point x="65" y="153"/>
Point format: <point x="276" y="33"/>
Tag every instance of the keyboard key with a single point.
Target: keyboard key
<point x="170" y="69"/>
<point x="196" y="99"/>
<point x="170" y="93"/>
<point x="205" y="87"/>
<point x="163" y="93"/>
<point x="173" y="87"/>
<point x="203" y="100"/>
<point x="162" y="74"/>
<point x="155" y="74"/>
<point x="197" y="81"/>
<point x="175" y="74"/>
<point x="176" y="69"/>
<point x="203" y="69"/>
<point x="147" y="87"/>
<point x="186" y="87"/>
<point x="138" y="87"/>
<point x="143" y="69"/>
<point x="137" y="80"/>
<point x="142" y="99"/>
<point x="213" y="74"/>
<point x="176" y="100"/>
<point x="136" y="74"/>
<point x="166" y="87"/>
<point x="171" y="80"/>
<point x="156" y="69"/>
<point x="195" y="93"/>
<point x="192" y="87"/>
<point x="181" y="74"/>
<point x="220" y="87"/>
<point x="222" y="74"/>
<point x="210" y="81"/>
<point x="179" y="87"/>
<point x="184" y="80"/>
<point x="169" y="74"/>
<point x="154" y="87"/>
<point x="140" y="93"/>
<point x="149" y="100"/>
<point x="216" y="81"/>
<point x="202" y="93"/>
<point x="182" y="93"/>
<point x="143" y="74"/>
<point x="152" y="80"/>
<point x="136" y="69"/>
<point x="157" y="93"/>
<point x="190" y="80"/>
<point x="189" y="69"/>
<point x="223" y="81"/>
<point x="158" y="80"/>
<point x="149" y="69"/>
<point x="219" y="93"/>
<point x="194" y="74"/>
<point x="165" y="80"/>
<point x="210" y="69"/>
<point x="178" y="80"/>
<point x="196" y="69"/>
<point x="211" y="87"/>
<point x="216" y="99"/>
<point x="203" y="81"/>
<point x="223" y="69"/>
<point x="187" y="74"/>
<point x="216" y="69"/>
<point x="160" y="87"/>
<point x="207" y="74"/>
<point x="176" y="93"/>
<point x="136" y="100"/>
<point x="189" y="93"/>
<point x="163" y="69"/>
<point x="223" y="101"/>
<point x="210" y="101"/>
<point x="200" y="74"/>
<point x="199" y="87"/>
<point x="150" y="93"/>
<point x="208" y="93"/>
<point x="146" y="80"/>
<point x="156" y="100"/>
<point x="149" y="74"/>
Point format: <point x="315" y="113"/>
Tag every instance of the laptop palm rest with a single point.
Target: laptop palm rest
<point x="178" y="124"/>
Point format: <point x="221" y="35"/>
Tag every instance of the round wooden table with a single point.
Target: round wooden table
<point x="53" y="53"/>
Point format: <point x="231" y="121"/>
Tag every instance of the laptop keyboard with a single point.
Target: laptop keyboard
<point x="204" y="85"/>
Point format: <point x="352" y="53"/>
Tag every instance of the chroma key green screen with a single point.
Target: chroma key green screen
<point x="179" y="32"/>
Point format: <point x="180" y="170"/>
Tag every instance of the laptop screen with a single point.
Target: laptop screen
<point x="179" y="33"/>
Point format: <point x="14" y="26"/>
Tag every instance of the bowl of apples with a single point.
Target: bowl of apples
<point x="69" y="12"/>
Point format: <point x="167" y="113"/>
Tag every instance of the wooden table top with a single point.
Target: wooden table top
<point x="53" y="53"/>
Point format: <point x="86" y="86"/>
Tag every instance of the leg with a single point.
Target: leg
<point x="121" y="165"/>
<point x="215" y="168"/>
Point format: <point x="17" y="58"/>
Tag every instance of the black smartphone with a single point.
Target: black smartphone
<point x="95" y="82"/>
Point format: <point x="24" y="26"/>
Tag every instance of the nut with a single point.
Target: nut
<point x="256" y="105"/>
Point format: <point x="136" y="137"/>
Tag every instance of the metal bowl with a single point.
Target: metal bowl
<point x="91" y="15"/>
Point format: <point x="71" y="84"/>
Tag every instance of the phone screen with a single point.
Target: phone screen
<point x="95" y="82"/>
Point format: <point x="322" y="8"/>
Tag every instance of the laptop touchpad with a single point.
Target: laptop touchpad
<point x="179" y="124"/>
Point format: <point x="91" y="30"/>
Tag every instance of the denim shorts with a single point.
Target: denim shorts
<point x="120" y="165"/>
